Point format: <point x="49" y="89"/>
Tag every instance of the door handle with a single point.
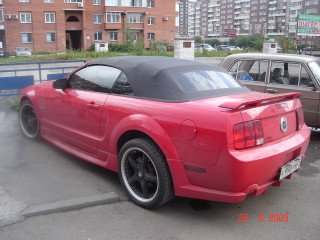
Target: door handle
<point x="93" y="106"/>
<point x="272" y="90"/>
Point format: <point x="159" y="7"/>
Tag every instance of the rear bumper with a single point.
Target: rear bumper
<point x="238" y="174"/>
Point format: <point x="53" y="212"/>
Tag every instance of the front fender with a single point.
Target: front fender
<point x="148" y="126"/>
<point x="30" y="94"/>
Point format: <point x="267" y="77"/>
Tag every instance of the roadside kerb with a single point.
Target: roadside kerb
<point x="72" y="204"/>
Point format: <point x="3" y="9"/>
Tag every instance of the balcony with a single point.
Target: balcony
<point x="242" y="16"/>
<point x="241" y="1"/>
<point x="275" y="33"/>
<point x="274" y="14"/>
<point x="296" y="8"/>
<point x="114" y="26"/>
<point x="271" y="26"/>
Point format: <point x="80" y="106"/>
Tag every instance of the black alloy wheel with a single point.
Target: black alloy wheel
<point x="144" y="173"/>
<point x="29" y="121"/>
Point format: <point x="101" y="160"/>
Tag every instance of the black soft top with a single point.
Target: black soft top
<point x="152" y="77"/>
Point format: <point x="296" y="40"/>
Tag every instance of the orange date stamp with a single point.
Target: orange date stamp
<point x="269" y="218"/>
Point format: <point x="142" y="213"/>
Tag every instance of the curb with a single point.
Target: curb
<point x="72" y="204"/>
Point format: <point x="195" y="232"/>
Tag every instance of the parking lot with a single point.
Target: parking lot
<point x="39" y="174"/>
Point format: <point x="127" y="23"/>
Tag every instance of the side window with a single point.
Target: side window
<point x="305" y="79"/>
<point x="122" y="86"/>
<point x="250" y="70"/>
<point x="285" y="73"/>
<point x="258" y="71"/>
<point x="233" y="69"/>
<point x="94" y="78"/>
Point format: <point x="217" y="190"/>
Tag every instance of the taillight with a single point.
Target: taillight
<point x="248" y="134"/>
<point x="300" y="118"/>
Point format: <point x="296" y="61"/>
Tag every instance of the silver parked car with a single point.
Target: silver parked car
<point x="22" y="52"/>
<point x="280" y="73"/>
<point x="207" y="47"/>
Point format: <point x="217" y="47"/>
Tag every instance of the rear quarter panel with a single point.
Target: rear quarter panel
<point x="162" y="121"/>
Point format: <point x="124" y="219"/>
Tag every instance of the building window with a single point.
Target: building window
<point x="113" y="3"/>
<point x="134" y="18"/>
<point x="49" y="18"/>
<point x="151" y="4"/>
<point x="113" y="17"/>
<point x="135" y="3"/>
<point x="1" y="15"/>
<point x="24" y="0"/>
<point x="25" y="17"/>
<point x="113" y="36"/>
<point x="97" y="19"/>
<point x="97" y="36"/>
<point x="51" y="37"/>
<point x="126" y="3"/>
<point x="73" y="1"/>
<point x="26" y="37"/>
<point x="49" y="1"/>
<point x="96" y="2"/>
<point x="150" y="36"/>
<point x="150" y="20"/>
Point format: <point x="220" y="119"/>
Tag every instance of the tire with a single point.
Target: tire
<point x="144" y="173"/>
<point x="29" y="120"/>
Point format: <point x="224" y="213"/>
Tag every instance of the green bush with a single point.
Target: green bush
<point x="156" y="53"/>
<point x="92" y="47"/>
<point x="118" y="47"/>
<point x="14" y="103"/>
<point x="216" y="53"/>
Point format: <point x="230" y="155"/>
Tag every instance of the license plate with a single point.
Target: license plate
<point x="290" y="167"/>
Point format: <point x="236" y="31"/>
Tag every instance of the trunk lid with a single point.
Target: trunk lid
<point x="277" y="113"/>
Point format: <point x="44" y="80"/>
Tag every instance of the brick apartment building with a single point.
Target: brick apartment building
<point x="57" y="25"/>
<point x="226" y="18"/>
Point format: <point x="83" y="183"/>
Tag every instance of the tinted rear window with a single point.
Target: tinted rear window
<point x="198" y="81"/>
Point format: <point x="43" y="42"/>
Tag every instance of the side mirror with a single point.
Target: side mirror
<point x="60" y="84"/>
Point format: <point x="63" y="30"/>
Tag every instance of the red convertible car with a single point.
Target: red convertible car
<point x="170" y="128"/>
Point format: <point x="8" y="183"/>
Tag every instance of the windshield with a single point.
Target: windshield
<point x="315" y="68"/>
<point x="22" y="49"/>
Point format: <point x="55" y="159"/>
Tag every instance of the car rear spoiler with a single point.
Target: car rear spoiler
<point x="259" y="101"/>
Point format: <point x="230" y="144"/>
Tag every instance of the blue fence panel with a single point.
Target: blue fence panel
<point x="18" y="82"/>
<point x="12" y="74"/>
<point x="55" y="76"/>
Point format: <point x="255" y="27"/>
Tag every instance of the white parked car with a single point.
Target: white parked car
<point x="22" y="52"/>
<point x="208" y="47"/>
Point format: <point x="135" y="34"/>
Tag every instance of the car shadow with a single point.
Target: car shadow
<point x="308" y="167"/>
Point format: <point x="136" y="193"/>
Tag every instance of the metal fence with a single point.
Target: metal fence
<point x="16" y="76"/>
